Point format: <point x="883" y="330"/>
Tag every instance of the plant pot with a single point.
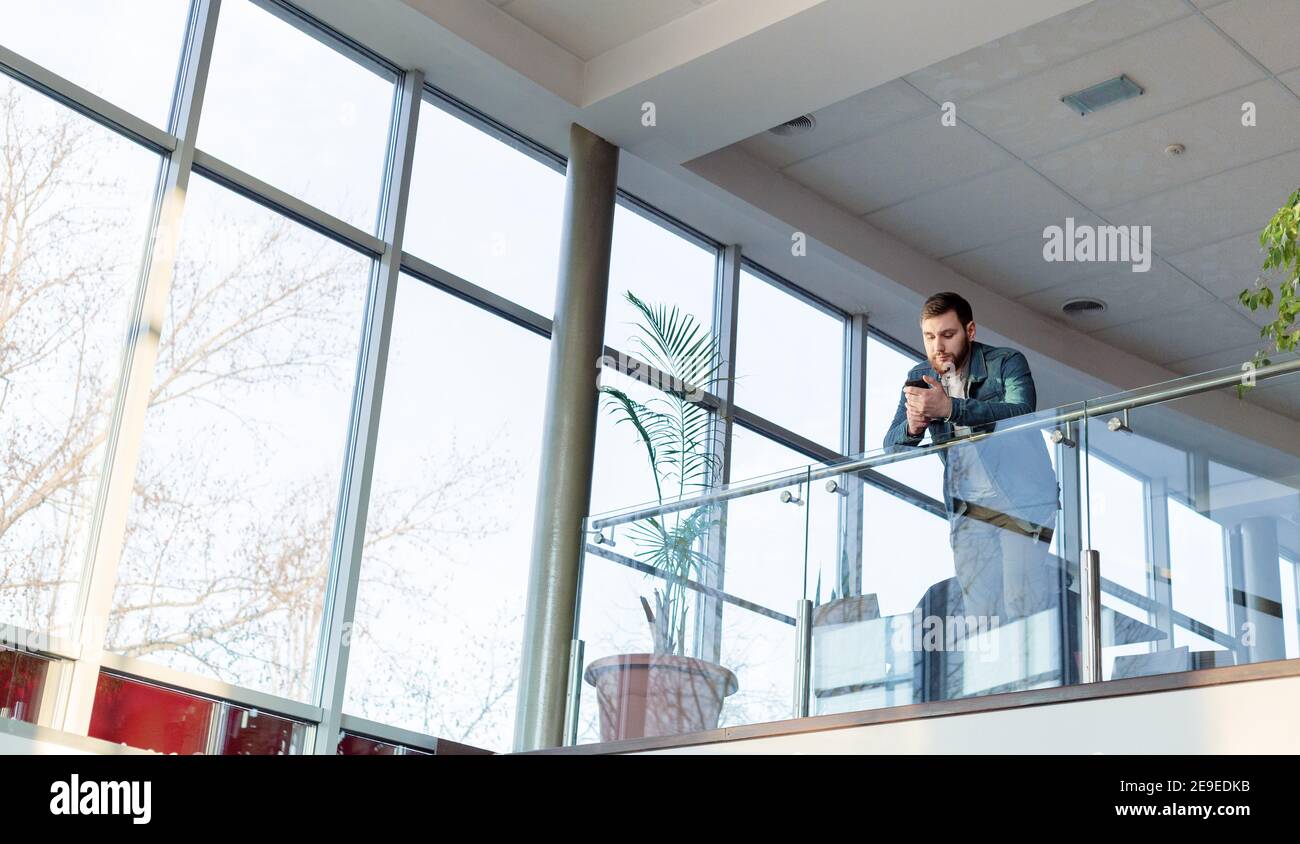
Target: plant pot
<point x="642" y="695"/>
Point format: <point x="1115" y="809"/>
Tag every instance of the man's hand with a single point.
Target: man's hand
<point x="916" y="423"/>
<point x="932" y="403"/>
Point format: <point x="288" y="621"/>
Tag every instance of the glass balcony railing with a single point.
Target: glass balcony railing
<point x="1153" y="531"/>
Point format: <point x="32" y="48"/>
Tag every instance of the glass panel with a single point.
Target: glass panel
<point x="667" y="648"/>
<point x="153" y="718"/>
<point x="354" y="745"/>
<point x="229" y="537"/>
<point x="1224" y="508"/>
<point x="485" y="211"/>
<point x="73" y="219"/>
<point x="660" y="268"/>
<point x="439" y="618"/>
<point x="289" y="108"/>
<point x="22" y="684"/>
<point x="789" y="361"/>
<point x="768" y="561"/>
<point x="126" y="53"/>
<point x="957" y="596"/>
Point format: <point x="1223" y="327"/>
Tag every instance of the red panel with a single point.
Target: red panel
<point x="150" y="717"/>
<point x="22" y="679"/>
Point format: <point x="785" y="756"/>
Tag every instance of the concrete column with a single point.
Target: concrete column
<point x="568" y="439"/>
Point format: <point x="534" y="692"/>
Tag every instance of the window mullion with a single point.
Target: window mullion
<point x="345" y="568"/>
<point x="77" y="694"/>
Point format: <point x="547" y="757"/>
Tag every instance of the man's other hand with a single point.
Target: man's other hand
<point x="916" y="422"/>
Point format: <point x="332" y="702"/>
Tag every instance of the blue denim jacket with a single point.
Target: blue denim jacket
<point x="1001" y="387"/>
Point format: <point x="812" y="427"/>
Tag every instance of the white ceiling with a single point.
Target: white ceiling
<point x="588" y="29"/>
<point x="977" y="196"/>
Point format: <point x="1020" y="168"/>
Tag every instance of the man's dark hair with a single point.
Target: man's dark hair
<point x="942" y="303"/>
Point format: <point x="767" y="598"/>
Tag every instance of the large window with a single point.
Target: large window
<point x="485" y="211"/>
<point x="789" y="361"/>
<point x="660" y="268"/>
<point x="125" y="52"/>
<point x="296" y="112"/>
<point x="73" y="215"/>
<point x="229" y="540"/>
<point x="202" y="459"/>
<point x="439" y="621"/>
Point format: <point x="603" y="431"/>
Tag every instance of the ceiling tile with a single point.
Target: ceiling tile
<point x="1220" y="359"/>
<point x="1128" y="296"/>
<point x="1259" y="317"/>
<point x="1291" y="80"/>
<point x="1267" y="28"/>
<point x="848" y="120"/>
<point x="1224" y="268"/>
<point x="1130" y="163"/>
<point x="983" y="210"/>
<point x="1016" y="266"/>
<point x="1216" y="208"/>
<point x="1280" y="397"/>
<point x="1043" y="45"/>
<point x="587" y="29"/>
<point x="1177" y="64"/>
<point x="899" y="163"/>
<point x="1186" y="334"/>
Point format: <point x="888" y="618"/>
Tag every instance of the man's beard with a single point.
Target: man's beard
<point x="953" y="364"/>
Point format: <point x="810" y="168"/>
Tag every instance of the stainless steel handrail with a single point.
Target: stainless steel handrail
<point x="1157" y="396"/>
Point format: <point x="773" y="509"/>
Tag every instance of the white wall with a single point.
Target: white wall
<point x="1257" y="716"/>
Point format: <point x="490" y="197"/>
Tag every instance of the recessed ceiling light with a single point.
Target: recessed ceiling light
<point x="1103" y="94"/>
<point x="1083" y="305"/>
<point x="798" y="126"/>
<point x="1175" y="149"/>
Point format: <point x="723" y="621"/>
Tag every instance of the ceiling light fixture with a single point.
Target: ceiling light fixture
<point x="1103" y="94"/>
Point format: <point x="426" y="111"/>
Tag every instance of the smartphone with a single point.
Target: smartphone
<point x="917" y="382"/>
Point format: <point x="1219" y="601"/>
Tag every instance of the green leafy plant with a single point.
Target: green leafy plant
<point x="674" y="430"/>
<point x="1282" y="254"/>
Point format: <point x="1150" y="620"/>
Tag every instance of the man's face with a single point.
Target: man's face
<point x="947" y="342"/>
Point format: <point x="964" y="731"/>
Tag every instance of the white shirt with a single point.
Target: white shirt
<point x="967" y="476"/>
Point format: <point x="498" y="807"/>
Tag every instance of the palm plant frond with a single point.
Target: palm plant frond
<point x="675" y="432"/>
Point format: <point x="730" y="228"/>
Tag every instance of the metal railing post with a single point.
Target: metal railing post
<point x="1090" y="603"/>
<point x="802" y="657"/>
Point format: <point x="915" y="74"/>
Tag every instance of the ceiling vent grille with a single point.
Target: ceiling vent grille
<point x="1075" y="307"/>
<point x="798" y="126"/>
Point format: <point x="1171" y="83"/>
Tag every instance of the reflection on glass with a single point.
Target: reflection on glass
<point x="960" y="594"/>
<point x="1220" y="523"/>
<point x="789" y="361"/>
<point x="153" y="718"/>
<point x="22" y="684"/>
<point x="484" y="211"/>
<point x="73" y="216"/>
<point x="354" y="745"/>
<point x="288" y="109"/>
<point x="439" y="619"/>
<point x="230" y="531"/>
<point x="126" y="53"/>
